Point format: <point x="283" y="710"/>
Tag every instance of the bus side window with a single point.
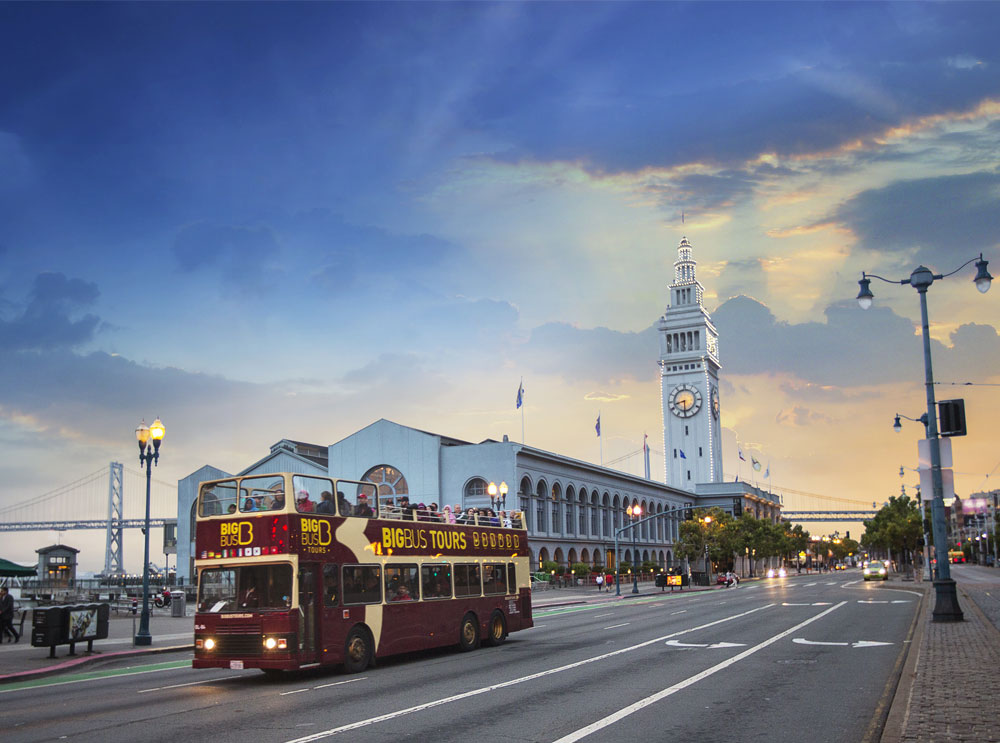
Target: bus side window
<point x="436" y="580"/>
<point x="362" y="584"/>
<point x="511" y="578"/>
<point x="467" y="580"/>
<point x="494" y="579"/>
<point x="331" y="588"/>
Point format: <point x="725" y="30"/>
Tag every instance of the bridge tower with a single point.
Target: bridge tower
<point x="113" y="552"/>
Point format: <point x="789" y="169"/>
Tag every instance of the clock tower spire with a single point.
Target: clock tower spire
<point x="689" y="380"/>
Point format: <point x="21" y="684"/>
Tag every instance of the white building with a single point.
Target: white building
<point x="689" y="381"/>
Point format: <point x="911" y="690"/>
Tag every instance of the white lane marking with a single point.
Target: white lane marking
<point x="676" y="644"/>
<point x="96" y="678"/>
<point x="802" y="641"/>
<point x="682" y="611"/>
<point x="902" y="601"/>
<point x="615" y="626"/>
<point x="822" y="603"/>
<point x="785" y="603"/>
<point x="297" y="691"/>
<point x="504" y="684"/>
<point x="338" y="683"/>
<point x="598" y="616"/>
<point x="190" y="683"/>
<point x="869" y="601"/>
<point x="808" y="584"/>
<point x="642" y="704"/>
<point x="897" y="590"/>
<point x="868" y="644"/>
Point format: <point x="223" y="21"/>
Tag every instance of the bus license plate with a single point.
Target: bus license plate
<point x="236" y="665"/>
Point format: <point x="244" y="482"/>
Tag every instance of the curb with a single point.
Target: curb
<point x="894" y="705"/>
<point x="86" y="660"/>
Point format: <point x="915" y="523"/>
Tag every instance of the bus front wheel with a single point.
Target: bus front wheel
<point x="357" y="651"/>
<point x="468" y="633"/>
<point x="498" y="629"/>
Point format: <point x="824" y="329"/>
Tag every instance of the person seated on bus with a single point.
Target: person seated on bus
<point x="277" y="494"/>
<point x="232" y="508"/>
<point x="250" y="504"/>
<point x="433" y="513"/>
<point x="302" y="502"/>
<point x="402" y="593"/>
<point x="330" y="586"/>
<point x="505" y="520"/>
<point x="447" y="516"/>
<point x="406" y="510"/>
<point x="325" y="504"/>
<point x="363" y="510"/>
<point x="491" y="517"/>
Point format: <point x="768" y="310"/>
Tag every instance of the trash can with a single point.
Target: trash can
<point x="178" y="603"/>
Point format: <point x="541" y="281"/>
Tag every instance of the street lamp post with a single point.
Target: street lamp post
<point x="708" y="568"/>
<point x="635" y="513"/>
<point x="149" y="454"/>
<point x="946" y="608"/>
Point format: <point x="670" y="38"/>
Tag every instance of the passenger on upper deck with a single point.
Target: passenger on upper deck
<point x="277" y="497"/>
<point x="402" y="593"/>
<point x="449" y="517"/>
<point x="325" y="504"/>
<point x="302" y="502"/>
<point x="363" y="509"/>
<point x="505" y="520"/>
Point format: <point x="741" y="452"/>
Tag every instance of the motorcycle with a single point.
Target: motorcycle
<point x="162" y="599"/>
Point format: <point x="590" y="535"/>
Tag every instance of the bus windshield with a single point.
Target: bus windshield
<point x="236" y="589"/>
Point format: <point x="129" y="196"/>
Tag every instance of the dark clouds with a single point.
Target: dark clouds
<point x="853" y="348"/>
<point x="52" y="318"/>
<point x="947" y="219"/>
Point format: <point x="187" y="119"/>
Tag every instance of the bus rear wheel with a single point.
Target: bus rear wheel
<point x="468" y="633"/>
<point x="357" y="651"/>
<point x="498" y="629"/>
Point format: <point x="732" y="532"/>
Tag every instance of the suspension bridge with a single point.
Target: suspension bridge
<point x="113" y="498"/>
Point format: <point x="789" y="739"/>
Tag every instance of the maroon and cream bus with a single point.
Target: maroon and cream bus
<point x="297" y="571"/>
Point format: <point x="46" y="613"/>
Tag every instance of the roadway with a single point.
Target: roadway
<point x="805" y="657"/>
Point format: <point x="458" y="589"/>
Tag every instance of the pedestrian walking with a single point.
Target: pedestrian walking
<point x="7" y="615"/>
<point x="600" y="582"/>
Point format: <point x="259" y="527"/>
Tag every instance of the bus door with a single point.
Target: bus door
<point x="308" y="626"/>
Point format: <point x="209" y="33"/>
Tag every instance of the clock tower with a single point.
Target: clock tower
<point x="689" y="381"/>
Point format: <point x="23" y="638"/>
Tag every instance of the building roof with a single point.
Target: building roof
<point x="54" y="547"/>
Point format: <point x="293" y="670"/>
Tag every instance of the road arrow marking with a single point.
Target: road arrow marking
<point x="678" y="644"/>
<point x="858" y="644"/>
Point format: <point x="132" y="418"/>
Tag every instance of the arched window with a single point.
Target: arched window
<point x="570" y="495"/>
<point x="583" y="513"/>
<point x="540" y="506"/>
<point x="476" y="488"/>
<point x="556" y="507"/>
<point x="595" y="512"/>
<point x="389" y="480"/>
<point x="524" y="502"/>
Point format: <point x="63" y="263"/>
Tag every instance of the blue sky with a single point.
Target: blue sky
<point x="261" y="221"/>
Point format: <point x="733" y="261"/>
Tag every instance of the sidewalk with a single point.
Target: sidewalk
<point x="20" y="661"/>
<point x="950" y="682"/>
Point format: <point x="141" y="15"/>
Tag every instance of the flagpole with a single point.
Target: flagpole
<point x="600" y="436"/>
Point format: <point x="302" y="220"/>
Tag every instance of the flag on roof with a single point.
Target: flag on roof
<point x="682" y="453"/>
<point x="598" y="426"/>
<point x="756" y="464"/>
<point x="740" y="452"/>
<point x="520" y="395"/>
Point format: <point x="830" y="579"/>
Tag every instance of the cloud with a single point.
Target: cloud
<point x="597" y="354"/>
<point x="944" y="219"/>
<point x="800" y="416"/>
<point x="604" y="397"/>
<point x="47" y="321"/>
<point x="236" y="251"/>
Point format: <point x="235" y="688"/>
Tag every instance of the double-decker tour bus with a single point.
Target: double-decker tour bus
<point x="334" y="576"/>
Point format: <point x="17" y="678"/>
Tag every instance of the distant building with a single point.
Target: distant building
<point x="572" y="508"/>
<point x="57" y="565"/>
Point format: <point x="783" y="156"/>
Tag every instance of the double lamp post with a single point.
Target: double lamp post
<point x="946" y="608"/>
<point x="149" y="454"/>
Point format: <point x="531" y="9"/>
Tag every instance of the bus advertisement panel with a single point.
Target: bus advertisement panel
<point x="281" y="589"/>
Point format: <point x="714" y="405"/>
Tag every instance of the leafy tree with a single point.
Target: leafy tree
<point x="549" y="565"/>
<point x="896" y="527"/>
<point x="581" y="569"/>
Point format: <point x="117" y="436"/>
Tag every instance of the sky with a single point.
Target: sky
<point x="279" y="220"/>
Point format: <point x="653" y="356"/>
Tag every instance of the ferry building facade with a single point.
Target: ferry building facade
<point x="572" y="508"/>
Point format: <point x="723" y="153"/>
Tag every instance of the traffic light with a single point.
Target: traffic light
<point x="951" y="417"/>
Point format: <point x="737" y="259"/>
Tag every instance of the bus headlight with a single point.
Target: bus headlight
<point x="275" y="643"/>
<point x="208" y="643"/>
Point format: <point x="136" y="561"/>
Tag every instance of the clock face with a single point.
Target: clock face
<point x="684" y="401"/>
<point x="715" y="402"/>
